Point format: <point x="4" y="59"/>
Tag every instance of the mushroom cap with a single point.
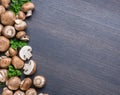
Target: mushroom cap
<point x="5" y="3"/>
<point x="18" y="92"/>
<point x="4" y="44"/>
<point x="26" y="84"/>
<point x="6" y="91"/>
<point x="3" y="75"/>
<point x="1" y="28"/>
<point x="8" y="18"/>
<point x="20" y="34"/>
<point x="27" y="6"/>
<point x="13" y="83"/>
<point x="21" y="15"/>
<point x="31" y="91"/>
<point x="11" y="52"/>
<point x="17" y="62"/>
<point x="29" y="68"/>
<point x="39" y="81"/>
<point x="2" y="9"/>
<point x="5" y="62"/>
<point x="9" y="31"/>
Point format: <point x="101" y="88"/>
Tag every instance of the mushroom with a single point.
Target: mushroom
<point x="29" y="68"/>
<point x="13" y="83"/>
<point x="42" y="94"/>
<point x="8" y="18"/>
<point x="25" y="52"/>
<point x="3" y="75"/>
<point x="20" y="25"/>
<point x="17" y="62"/>
<point x="5" y="61"/>
<point x="6" y="91"/>
<point x="4" y="44"/>
<point x="31" y="91"/>
<point x="26" y="84"/>
<point x="2" y="9"/>
<point x="21" y="15"/>
<point x="11" y="52"/>
<point x="1" y="28"/>
<point x="28" y="7"/>
<point x="18" y="92"/>
<point x="22" y="36"/>
<point x="9" y="31"/>
<point x="5" y="3"/>
<point x="39" y="81"/>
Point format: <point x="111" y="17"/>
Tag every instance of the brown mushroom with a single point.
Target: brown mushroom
<point x="4" y="44"/>
<point x="17" y="62"/>
<point x="13" y="83"/>
<point x="39" y="81"/>
<point x="11" y="52"/>
<point x="22" y="36"/>
<point x="6" y="91"/>
<point x="26" y="84"/>
<point x="18" y="92"/>
<point x="5" y="3"/>
<point x="3" y="75"/>
<point x="1" y="28"/>
<point x="2" y="9"/>
<point x="9" y="31"/>
<point x="8" y="18"/>
<point x="31" y="91"/>
<point x="21" y="15"/>
<point x="5" y="61"/>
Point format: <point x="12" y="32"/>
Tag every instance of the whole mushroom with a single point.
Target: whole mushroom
<point x="31" y="91"/>
<point x="22" y="36"/>
<point x="20" y="25"/>
<point x="4" y="44"/>
<point x="18" y="92"/>
<point x="8" y="18"/>
<point x="21" y="15"/>
<point x="17" y="62"/>
<point x="6" y="91"/>
<point x="39" y="81"/>
<point x="3" y="75"/>
<point x="5" y="3"/>
<point x="1" y="28"/>
<point x="5" y="61"/>
<point x="2" y="9"/>
<point x="9" y="31"/>
<point x="13" y="83"/>
<point x="29" y="68"/>
<point x="26" y="84"/>
<point x="11" y="52"/>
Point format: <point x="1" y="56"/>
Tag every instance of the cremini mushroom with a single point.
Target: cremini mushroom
<point x="21" y="15"/>
<point x="22" y="36"/>
<point x="29" y="68"/>
<point x="17" y="62"/>
<point x="5" y="61"/>
<point x="25" y="52"/>
<point x="31" y="91"/>
<point x="39" y="81"/>
<point x="3" y="75"/>
<point x="4" y="44"/>
<point x="18" y="92"/>
<point x="9" y="31"/>
<point x="27" y="8"/>
<point x="2" y="9"/>
<point x="8" y="18"/>
<point x="20" y="25"/>
<point x="26" y="84"/>
<point x="13" y="83"/>
<point x="43" y="94"/>
<point x="6" y="91"/>
<point x="5" y="3"/>
<point x="11" y="52"/>
<point x="1" y="28"/>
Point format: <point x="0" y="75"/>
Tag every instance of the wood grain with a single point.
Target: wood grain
<point x="76" y="44"/>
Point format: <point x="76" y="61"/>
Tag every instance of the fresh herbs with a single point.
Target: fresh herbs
<point x="15" y="44"/>
<point x="16" y="5"/>
<point x="13" y="72"/>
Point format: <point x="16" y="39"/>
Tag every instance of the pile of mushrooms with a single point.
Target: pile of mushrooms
<point x="14" y="26"/>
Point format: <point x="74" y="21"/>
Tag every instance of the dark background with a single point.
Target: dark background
<point x="76" y="44"/>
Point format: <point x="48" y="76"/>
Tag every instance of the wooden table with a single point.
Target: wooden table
<point x="76" y="44"/>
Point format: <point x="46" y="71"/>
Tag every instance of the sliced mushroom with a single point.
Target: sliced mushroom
<point x="28" y="7"/>
<point x="6" y="91"/>
<point x="2" y="9"/>
<point x="17" y="62"/>
<point x="5" y="3"/>
<point x="9" y="31"/>
<point x="20" y="25"/>
<point x="25" y="53"/>
<point x="21" y="15"/>
<point x="13" y="83"/>
<point x="4" y="44"/>
<point x="31" y="91"/>
<point x="1" y="28"/>
<point x="5" y="61"/>
<point x="11" y="52"/>
<point x="22" y="36"/>
<point x="18" y="92"/>
<point x="39" y="81"/>
<point x="26" y="84"/>
<point x="43" y="94"/>
<point x="29" y="68"/>
<point x="8" y="18"/>
<point x="3" y="75"/>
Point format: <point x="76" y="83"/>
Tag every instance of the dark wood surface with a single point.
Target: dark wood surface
<point x="76" y="44"/>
